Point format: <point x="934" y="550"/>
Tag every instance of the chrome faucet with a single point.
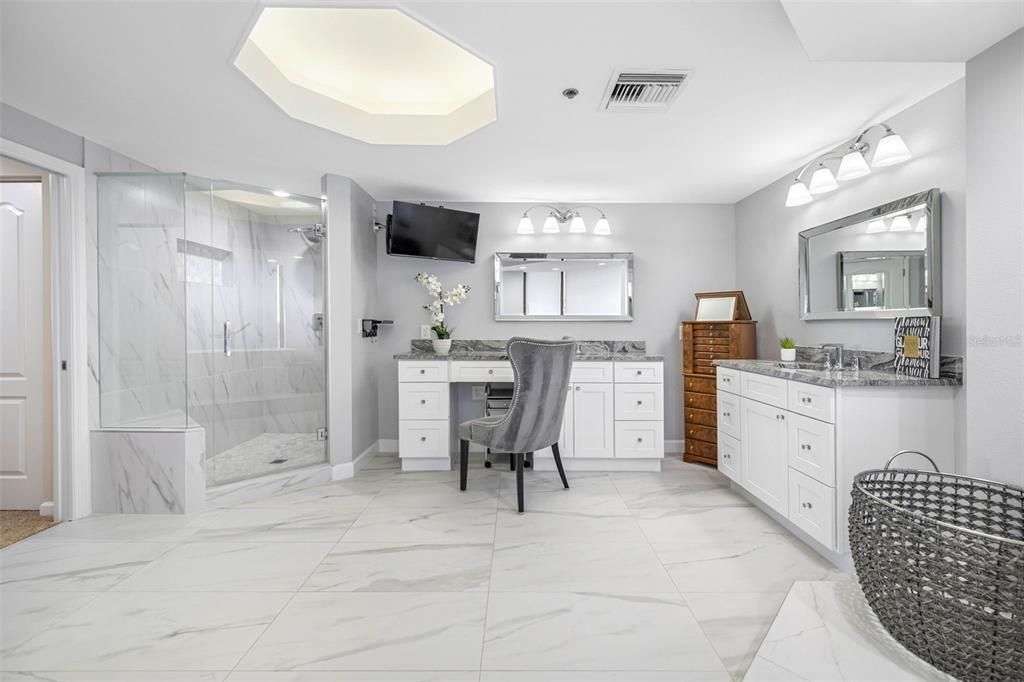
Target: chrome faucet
<point x="828" y="356"/>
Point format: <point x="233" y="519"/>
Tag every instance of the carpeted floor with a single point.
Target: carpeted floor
<point x="18" y="525"/>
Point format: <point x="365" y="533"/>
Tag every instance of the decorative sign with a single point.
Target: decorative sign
<point x="917" y="347"/>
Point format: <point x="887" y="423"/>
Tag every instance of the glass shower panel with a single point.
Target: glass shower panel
<point x="141" y="311"/>
<point x="267" y="290"/>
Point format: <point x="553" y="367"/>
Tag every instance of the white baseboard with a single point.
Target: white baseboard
<point x="426" y="464"/>
<point x="387" y="445"/>
<point x="349" y="469"/>
<point x="46" y="509"/>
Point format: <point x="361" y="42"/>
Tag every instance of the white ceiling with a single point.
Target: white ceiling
<point x="154" y="80"/>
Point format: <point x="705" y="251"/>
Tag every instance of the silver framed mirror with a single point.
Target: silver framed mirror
<point x="881" y="263"/>
<point x="546" y="287"/>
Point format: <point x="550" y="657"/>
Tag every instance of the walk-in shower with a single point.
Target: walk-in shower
<point x="210" y="317"/>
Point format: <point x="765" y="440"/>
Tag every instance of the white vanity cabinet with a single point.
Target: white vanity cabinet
<point x="796" y="447"/>
<point x="614" y="413"/>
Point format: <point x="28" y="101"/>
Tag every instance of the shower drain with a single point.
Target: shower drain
<point x="279" y="460"/>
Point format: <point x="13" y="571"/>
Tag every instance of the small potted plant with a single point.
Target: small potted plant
<point x="442" y="342"/>
<point x="787" y="349"/>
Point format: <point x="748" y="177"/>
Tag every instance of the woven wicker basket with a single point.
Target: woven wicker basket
<point x="940" y="559"/>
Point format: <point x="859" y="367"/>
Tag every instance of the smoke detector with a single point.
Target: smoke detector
<point x="648" y="91"/>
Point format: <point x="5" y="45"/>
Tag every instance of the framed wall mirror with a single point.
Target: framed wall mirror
<point x="884" y="262"/>
<point x="563" y="286"/>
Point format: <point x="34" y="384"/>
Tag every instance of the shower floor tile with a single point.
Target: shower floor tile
<point x="260" y="456"/>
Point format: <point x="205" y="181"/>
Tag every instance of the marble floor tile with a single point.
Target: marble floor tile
<point x="539" y="526"/>
<point x="229" y="567"/>
<point x="770" y="565"/>
<point x="400" y="567"/>
<point x="481" y="492"/>
<point x="132" y="631"/>
<point x="583" y="501"/>
<point x="24" y="615"/>
<point x="826" y="631"/>
<point x="735" y="622"/>
<point x="359" y="676"/>
<point x="709" y="524"/>
<point x="73" y="566"/>
<point x="373" y="631"/>
<point x="124" y="528"/>
<point x="443" y="525"/>
<point x="603" y="676"/>
<point x="567" y="566"/>
<point x="598" y="632"/>
<point x="655" y="491"/>
<point x="292" y="523"/>
<point x="115" y="676"/>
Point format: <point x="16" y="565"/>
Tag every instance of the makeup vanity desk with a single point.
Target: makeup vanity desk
<point x="614" y="412"/>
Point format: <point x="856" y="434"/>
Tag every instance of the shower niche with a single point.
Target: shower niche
<point x="210" y="363"/>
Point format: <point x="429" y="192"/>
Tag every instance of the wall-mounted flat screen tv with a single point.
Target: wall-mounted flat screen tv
<point x="424" y="231"/>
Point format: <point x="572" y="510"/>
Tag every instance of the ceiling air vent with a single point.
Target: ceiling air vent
<point x="643" y="91"/>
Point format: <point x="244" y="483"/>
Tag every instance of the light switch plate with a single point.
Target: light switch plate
<point x="424" y="331"/>
<point x="478" y="393"/>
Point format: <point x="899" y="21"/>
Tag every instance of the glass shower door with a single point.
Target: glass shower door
<point x="269" y="368"/>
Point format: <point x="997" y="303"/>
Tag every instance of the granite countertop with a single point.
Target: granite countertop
<point x="497" y="356"/>
<point x="799" y="371"/>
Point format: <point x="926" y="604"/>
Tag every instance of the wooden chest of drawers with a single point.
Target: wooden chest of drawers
<point x="702" y="344"/>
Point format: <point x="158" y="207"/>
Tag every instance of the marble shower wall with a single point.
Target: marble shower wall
<point x="175" y="262"/>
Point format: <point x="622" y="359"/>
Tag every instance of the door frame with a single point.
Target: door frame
<point x="72" y="492"/>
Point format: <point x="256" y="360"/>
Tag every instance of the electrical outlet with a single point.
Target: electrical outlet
<point x="478" y="393"/>
<point x="424" y="331"/>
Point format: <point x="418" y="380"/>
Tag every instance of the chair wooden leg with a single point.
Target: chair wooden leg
<point x="519" y="481"/>
<point x="558" y="463"/>
<point x="511" y="462"/>
<point x="463" y="463"/>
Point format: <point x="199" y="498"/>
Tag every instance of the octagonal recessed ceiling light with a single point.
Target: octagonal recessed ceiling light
<point x="377" y="75"/>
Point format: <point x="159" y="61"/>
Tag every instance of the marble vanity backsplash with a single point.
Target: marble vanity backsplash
<point x="950" y="366"/>
<point x="494" y="349"/>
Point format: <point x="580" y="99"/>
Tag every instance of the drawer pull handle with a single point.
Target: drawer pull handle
<point x="490" y="371"/>
<point x="639" y="402"/>
<point x="423" y="402"/>
<point x="423" y="439"/>
<point x="725" y="414"/>
<point x="577" y="388"/>
<point x="639" y="372"/>
<point x="423" y="371"/>
<point x="639" y="440"/>
<point x="805" y="447"/>
<point x="807" y="505"/>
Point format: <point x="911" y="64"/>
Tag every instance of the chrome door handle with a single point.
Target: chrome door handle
<point x="227" y="338"/>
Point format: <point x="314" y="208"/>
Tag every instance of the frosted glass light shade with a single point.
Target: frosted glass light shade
<point x="876" y="226"/>
<point x="852" y="166"/>
<point x="602" y="227"/>
<point x="822" y="181"/>
<point x="550" y="225"/>
<point x="798" y="195"/>
<point x="577" y="226"/>
<point x="900" y="223"/>
<point x="525" y="226"/>
<point x="922" y="224"/>
<point x="890" y="150"/>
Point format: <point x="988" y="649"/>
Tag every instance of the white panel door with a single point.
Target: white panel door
<point x="765" y="453"/>
<point x="593" y="420"/>
<point x="25" y="389"/>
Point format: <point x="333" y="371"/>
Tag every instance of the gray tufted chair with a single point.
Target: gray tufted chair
<point x="534" y="419"/>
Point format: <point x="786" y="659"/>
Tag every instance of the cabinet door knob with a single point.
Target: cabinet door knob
<point x="423" y="402"/>
<point x="490" y="371"/>
<point x="639" y="402"/>
<point x="639" y="372"/>
<point x="423" y="439"/>
<point x="577" y="388"/>
<point x="423" y="371"/>
<point x="639" y="440"/>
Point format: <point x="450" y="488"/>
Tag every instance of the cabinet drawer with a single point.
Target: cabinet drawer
<point x="705" y="433"/>
<point x="710" y="343"/>
<point x="702" y="417"/>
<point x="434" y="370"/>
<point x="812" y="507"/>
<point x="814" y="401"/>
<point x="698" y="448"/>
<point x="639" y="402"/>
<point x="699" y="384"/>
<point x="728" y="380"/>
<point x="422" y="401"/>
<point x="729" y="456"/>
<point x="701" y="401"/>
<point x="423" y="438"/>
<point x="591" y="373"/>
<point x="477" y="370"/>
<point x="711" y="329"/>
<point x="638" y="372"/>
<point x="639" y="439"/>
<point x="729" y="414"/>
<point x="812" y="448"/>
<point x="764" y="389"/>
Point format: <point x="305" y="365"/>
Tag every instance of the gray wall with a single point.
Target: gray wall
<point x="995" y="262"/>
<point x="352" y="279"/>
<point x="679" y="249"/>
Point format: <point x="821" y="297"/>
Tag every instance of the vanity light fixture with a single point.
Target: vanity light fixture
<point x="900" y="223"/>
<point x="888" y="150"/>
<point x="876" y="226"/>
<point x="922" y="224"/>
<point x="557" y="216"/>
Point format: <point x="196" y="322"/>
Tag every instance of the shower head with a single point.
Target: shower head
<point x="311" y="234"/>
